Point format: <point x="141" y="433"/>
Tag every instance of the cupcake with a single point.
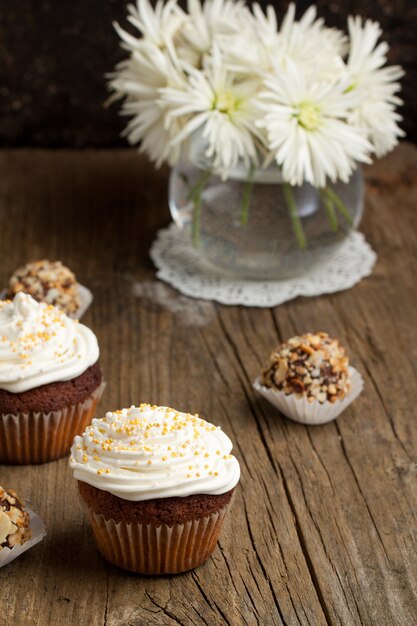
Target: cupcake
<point x="47" y="281"/>
<point x="308" y="378"/>
<point x="20" y="528"/>
<point x="50" y="380"/>
<point x="156" y="484"/>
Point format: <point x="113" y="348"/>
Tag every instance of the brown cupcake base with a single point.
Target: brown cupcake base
<point x="52" y="396"/>
<point x="34" y="437"/>
<point x="129" y="538"/>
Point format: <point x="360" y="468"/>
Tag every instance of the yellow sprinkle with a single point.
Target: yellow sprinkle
<point x="149" y="462"/>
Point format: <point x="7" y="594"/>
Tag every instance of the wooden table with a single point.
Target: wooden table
<point x="323" y="526"/>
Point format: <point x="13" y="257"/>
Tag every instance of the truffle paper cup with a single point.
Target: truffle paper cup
<point x="38" y="533"/>
<point x="154" y="550"/>
<point x="311" y="413"/>
<point x="39" y="437"/>
<point x="86" y="298"/>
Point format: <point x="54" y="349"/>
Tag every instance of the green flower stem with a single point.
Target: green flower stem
<point x="339" y="204"/>
<point x="330" y="212"/>
<point x="195" y="197"/>
<point x="247" y="192"/>
<point x="295" y="219"/>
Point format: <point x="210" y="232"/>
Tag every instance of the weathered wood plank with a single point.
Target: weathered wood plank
<point x="323" y="525"/>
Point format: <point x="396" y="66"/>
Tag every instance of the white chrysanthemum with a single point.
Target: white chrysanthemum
<point x="222" y="109"/>
<point x="152" y="65"/>
<point x="157" y="25"/>
<point x="375" y="85"/>
<point x="380" y="121"/>
<point x="307" y="130"/>
<point x="205" y="24"/>
<point x="306" y="42"/>
<point x="138" y="80"/>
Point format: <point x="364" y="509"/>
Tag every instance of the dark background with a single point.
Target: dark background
<point x="54" y="55"/>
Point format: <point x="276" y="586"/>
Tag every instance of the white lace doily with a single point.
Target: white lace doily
<point x="179" y="264"/>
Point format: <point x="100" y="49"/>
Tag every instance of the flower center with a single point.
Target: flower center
<point x="226" y="102"/>
<point x="308" y="116"/>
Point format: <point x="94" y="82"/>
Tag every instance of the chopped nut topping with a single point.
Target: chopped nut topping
<point x="14" y="520"/>
<point x="312" y="365"/>
<point x="47" y="281"/>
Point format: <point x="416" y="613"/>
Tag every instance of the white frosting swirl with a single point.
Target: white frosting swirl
<point x="39" y="344"/>
<point x="150" y="452"/>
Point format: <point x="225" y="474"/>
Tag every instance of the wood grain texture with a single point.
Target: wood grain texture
<point x="324" y="523"/>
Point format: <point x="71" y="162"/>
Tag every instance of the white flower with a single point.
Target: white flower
<point x="139" y="79"/>
<point x="222" y="108"/>
<point x="375" y="85"/>
<point x="206" y="24"/>
<point x="157" y="25"/>
<point x="307" y="130"/>
<point x="380" y="121"/>
<point x="152" y="65"/>
<point x="305" y="42"/>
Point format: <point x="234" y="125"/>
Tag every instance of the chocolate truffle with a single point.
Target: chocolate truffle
<point x="313" y="366"/>
<point x="14" y="520"/>
<point x="47" y="281"/>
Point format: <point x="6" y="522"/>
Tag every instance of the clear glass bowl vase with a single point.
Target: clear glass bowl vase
<point x="256" y="226"/>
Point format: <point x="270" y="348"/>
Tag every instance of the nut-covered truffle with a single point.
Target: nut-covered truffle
<point x="313" y="366"/>
<point x="47" y="281"/>
<point x="14" y="520"/>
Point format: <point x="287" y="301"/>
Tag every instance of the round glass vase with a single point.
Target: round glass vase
<point x="253" y="225"/>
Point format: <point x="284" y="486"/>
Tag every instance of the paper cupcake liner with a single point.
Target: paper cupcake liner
<point x="86" y="298"/>
<point x="38" y="437"/>
<point x="311" y="413"/>
<point x="151" y="549"/>
<point x="38" y="533"/>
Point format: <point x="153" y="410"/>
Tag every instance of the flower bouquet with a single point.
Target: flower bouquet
<point x="241" y="95"/>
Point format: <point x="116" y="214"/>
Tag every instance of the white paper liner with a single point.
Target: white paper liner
<point x="39" y="437"/>
<point x="311" y="413"/>
<point x="38" y="533"/>
<point x="86" y="298"/>
<point x="153" y="550"/>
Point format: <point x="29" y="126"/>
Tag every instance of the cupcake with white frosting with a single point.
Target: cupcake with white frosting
<point x="157" y="484"/>
<point x="50" y="380"/>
